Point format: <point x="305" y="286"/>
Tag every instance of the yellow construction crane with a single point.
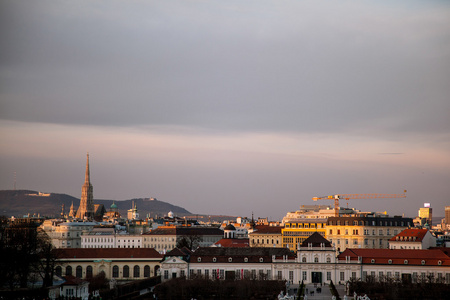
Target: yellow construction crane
<point x="337" y="197"/>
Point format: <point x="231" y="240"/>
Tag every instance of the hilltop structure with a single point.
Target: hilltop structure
<point x="86" y="209"/>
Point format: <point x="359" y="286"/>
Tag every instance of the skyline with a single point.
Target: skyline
<point x="228" y="108"/>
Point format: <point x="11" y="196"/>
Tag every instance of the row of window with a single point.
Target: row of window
<point x="256" y="241"/>
<point x="366" y="232"/>
<point x="305" y="225"/>
<point x="369" y="223"/>
<point x="115" y="271"/>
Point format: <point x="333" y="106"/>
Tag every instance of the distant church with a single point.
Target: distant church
<point x="86" y="209"/>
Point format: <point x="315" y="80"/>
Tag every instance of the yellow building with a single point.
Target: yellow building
<point x="364" y="231"/>
<point x="266" y="236"/>
<point x="297" y="230"/>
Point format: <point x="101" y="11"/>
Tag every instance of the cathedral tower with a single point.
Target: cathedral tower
<point x="86" y="209"/>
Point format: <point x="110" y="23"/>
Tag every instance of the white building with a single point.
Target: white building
<point x="67" y="234"/>
<point x="413" y="238"/>
<point x="108" y="238"/>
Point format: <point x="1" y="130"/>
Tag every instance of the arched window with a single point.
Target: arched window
<point x="58" y="271"/>
<point x="68" y="270"/>
<point x="88" y="271"/>
<point x="147" y="271"/>
<point x="115" y="272"/>
<point x="126" y="271"/>
<point x="79" y="272"/>
<point x="303" y="259"/>
<point x="316" y="259"/>
<point x="136" y="271"/>
<point x="328" y="259"/>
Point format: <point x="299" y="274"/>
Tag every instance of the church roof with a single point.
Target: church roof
<point x="230" y="227"/>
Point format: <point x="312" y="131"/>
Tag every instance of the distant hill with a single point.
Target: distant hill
<point x="21" y="202"/>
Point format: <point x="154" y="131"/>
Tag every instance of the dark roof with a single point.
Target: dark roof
<point x="99" y="253"/>
<point x="266" y="229"/>
<point x="238" y="254"/>
<point x="162" y="230"/>
<point x="229" y="227"/>
<point x="179" y="252"/>
<point x="71" y="280"/>
<point x="316" y="240"/>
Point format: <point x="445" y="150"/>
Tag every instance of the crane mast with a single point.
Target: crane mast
<point x="337" y="197"/>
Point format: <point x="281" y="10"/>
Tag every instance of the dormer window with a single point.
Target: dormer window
<point x="372" y="261"/>
<point x="245" y="259"/>
<point x="423" y="262"/>
<point x="405" y="261"/>
<point x="390" y="261"/>
<point x="261" y="259"/>
<point x="199" y="259"/>
<point x="230" y="259"/>
<point x="214" y="259"/>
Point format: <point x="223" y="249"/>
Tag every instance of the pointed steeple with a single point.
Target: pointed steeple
<point x="86" y="209"/>
<point x="86" y="177"/>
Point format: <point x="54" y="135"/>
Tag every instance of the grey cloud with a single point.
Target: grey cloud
<point x="225" y="66"/>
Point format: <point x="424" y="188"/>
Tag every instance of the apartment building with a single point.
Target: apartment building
<point x="364" y="231"/>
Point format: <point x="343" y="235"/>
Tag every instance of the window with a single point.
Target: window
<point x="136" y="271"/>
<point x="338" y="231"/>
<point x="147" y="271"/>
<point x="304" y="275"/>
<point x="222" y="273"/>
<point x="88" y="271"/>
<point x="199" y="272"/>
<point x="328" y="276"/>
<point x="331" y="231"/>
<point x="342" y="276"/>
<point x="115" y="272"/>
<point x="354" y="275"/>
<point x="166" y="274"/>
<point x="291" y="276"/>
<point x="280" y="275"/>
<point x="126" y="271"/>
<point x="328" y="259"/>
<point x="304" y="259"/>
<point x="79" y="272"/>
<point x="58" y="271"/>
<point x="316" y="259"/>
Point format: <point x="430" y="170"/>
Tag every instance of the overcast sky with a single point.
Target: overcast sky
<point x="228" y="107"/>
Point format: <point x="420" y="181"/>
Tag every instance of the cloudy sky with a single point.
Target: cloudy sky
<point x="228" y="107"/>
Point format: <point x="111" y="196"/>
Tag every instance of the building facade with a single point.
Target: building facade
<point x="297" y="230"/>
<point x="67" y="234"/>
<point x="413" y="238"/>
<point x="266" y="236"/>
<point x="117" y="264"/>
<point x="364" y="231"/>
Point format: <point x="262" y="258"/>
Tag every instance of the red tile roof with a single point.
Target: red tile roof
<point x="108" y="253"/>
<point x="430" y="257"/>
<point x="410" y="235"/>
<point x="233" y="243"/>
